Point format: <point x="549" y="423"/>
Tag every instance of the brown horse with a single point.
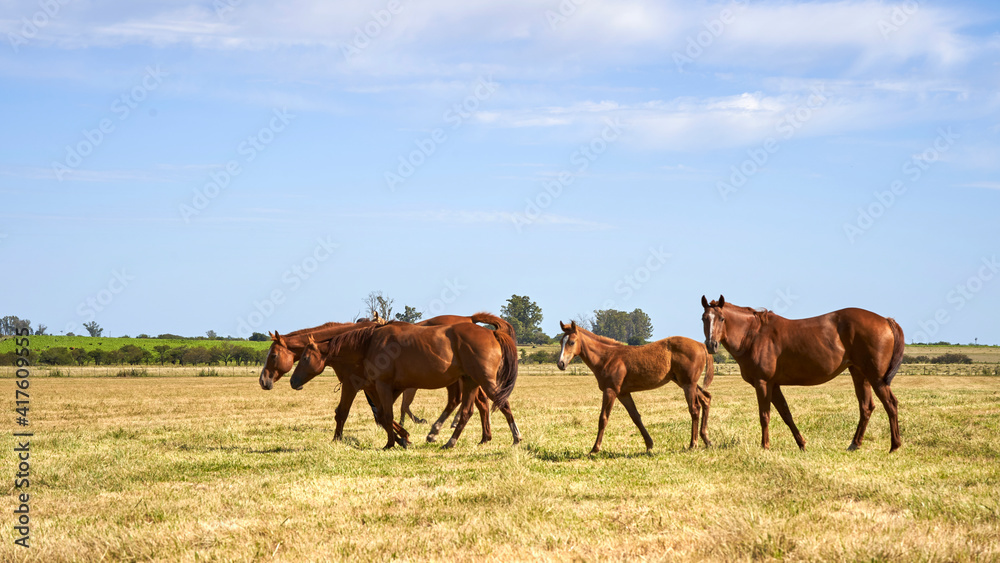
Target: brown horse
<point x="773" y="351"/>
<point x="621" y="370"/>
<point x="286" y="349"/>
<point x="398" y="356"/>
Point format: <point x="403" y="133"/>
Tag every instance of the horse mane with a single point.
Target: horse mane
<point x="604" y="339"/>
<point x="762" y="314"/>
<point x="307" y="331"/>
<point x="355" y="339"/>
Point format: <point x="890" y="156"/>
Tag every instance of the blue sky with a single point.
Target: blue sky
<point x="234" y="166"/>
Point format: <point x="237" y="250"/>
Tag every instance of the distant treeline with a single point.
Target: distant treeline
<point x="949" y="358"/>
<point x="225" y="353"/>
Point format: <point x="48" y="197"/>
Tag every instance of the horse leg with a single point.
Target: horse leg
<point x="606" y="404"/>
<point x="694" y="409"/>
<point x="405" y="408"/>
<point x="705" y="398"/>
<point x="778" y="398"/>
<point x="386" y="399"/>
<point x="764" y="409"/>
<point x="347" y="395"/>
<point x="482" y="403"/>
<point x="629" y="404"/>
<point x="454" y="397"/>
<point x="514" y="430"/>
<point x="866" y="404"/>
<point x="469" y="392"/>
<point x="884" y="394"/>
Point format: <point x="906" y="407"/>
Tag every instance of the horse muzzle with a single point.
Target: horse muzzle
<point x="712" y="346"/>
<point x="561" y="365"/>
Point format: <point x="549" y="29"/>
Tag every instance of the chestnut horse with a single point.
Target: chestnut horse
<point x="621" y="370"/>
<point x="286" y="349"/>
<point x="397" y="356"/>
<point x="773" y="351"/>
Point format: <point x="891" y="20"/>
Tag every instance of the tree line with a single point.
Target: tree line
<point x="225" y="353"/>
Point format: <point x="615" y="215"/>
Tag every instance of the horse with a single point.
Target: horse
<point x="621" y="370"/>
<point x="398" y="356"/>
<point x="773" y="351"/>
<point x="286" y="349"/>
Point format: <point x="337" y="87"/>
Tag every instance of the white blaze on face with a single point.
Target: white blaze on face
<point x="562" y="349"/>
<point x="711" y="324"/>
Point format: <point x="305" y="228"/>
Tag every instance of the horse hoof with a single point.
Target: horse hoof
<point x="448" y="445"/>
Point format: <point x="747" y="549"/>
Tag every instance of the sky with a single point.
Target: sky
<point x="179" y="167"/>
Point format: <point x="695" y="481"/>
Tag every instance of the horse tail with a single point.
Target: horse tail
<point x="507" y="374"/>
<point x="709" y="368"/>
<point x="897" y="351"/>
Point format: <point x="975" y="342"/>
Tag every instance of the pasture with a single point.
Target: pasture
<point x="206" y="469"/>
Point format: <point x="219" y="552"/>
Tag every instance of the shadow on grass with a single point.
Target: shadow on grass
<point x="545" y="454"/>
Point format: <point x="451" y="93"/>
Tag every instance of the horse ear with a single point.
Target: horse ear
<point x="572" y="325"/>
<point x="704" y="302"/>
<point x="722" y="300"/>
<point x="563" y="326"/>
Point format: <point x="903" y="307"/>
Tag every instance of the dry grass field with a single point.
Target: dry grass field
<point x="214" y="469"/>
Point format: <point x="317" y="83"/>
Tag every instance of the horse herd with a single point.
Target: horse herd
<point x="478" y="365"/>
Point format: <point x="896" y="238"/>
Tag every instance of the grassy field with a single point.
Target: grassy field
<point x="214" y="469"/>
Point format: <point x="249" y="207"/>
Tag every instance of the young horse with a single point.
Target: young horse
<point x="398" y="356"/>
<point x="622" y="370"/>
<point x="773" y="351"/>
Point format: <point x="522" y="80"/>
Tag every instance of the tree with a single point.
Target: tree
<point x="634" y="328"/>
<point x="524" y="315"/>
<point x="98" y="356"/>
<point x="57" y="356"/>
<point x="161" y="351"/>
<point x="12" y="325"/>
<point x="376" y="302"/>
<point x="259" y="337"/>
<point x="211" y="335"/>
<point x="40" y="331"/>
<point x="196" y="355"/>
<point x="80" y="355"/>
<point x="409" y="315"/>
<point x="93" y="328"/>
<point x="131" y="354"/>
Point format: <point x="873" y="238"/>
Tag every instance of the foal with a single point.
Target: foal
<point x="622" y="369"/>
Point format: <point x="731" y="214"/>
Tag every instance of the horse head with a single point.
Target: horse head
<point x="278" y="362"/>
<point x="312" y="362"/>
<point x="714" y="323"/>
<point x="570" y="345"/>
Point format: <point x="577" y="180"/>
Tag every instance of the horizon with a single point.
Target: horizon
<point x="256" y="167"/>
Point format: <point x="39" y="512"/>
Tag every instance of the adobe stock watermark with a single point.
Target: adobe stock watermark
<point x="563" y="11"/>
<point x="631" y="282"/>
<point x="553" y="188"/>
<point x="697" y="44"/>
<point x="456" y="115"/>
<point x="913" y="169"/>
<point x="291" y="279"/>
<point x="48" y="10"/>
<point x="898" y="17"/>
<point x="758" y="157"/>
<point x="249" y="150"/>
<point x="88" y="309"/>
<point x="365" y="34"/>
<point x="122" y="107"/>
<point x="958" y="298"/>
<point x="223" y="8"/>
<point x="450" y="293"/>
